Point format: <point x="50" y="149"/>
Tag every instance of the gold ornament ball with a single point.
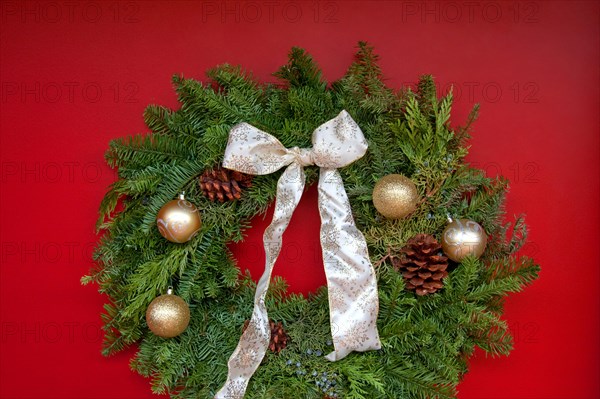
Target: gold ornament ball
<point x="463" y="237"/>
<point x="178" y="220"/>
<point x="395" y="196"/>
<point x="168" y="315"/>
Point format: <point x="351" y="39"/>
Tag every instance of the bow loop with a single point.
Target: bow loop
<point x="338" y="142"/>
<point x="250" y="150"/>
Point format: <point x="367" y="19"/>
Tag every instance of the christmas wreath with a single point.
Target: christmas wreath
<point x="176" y="290"/>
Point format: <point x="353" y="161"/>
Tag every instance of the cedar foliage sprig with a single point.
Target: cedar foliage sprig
<point x="426" y="341"/>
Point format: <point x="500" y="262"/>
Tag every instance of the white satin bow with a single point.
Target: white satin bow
<point x="352" y="286"/>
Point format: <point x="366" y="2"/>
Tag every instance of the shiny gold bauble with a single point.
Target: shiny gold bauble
<point x="463" y="237"/>
<point x="178" y="220"/>
<point x="168" y="315"/>
<point x="395" y="196"/>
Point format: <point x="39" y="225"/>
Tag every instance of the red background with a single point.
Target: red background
<point x="75" y="75"/>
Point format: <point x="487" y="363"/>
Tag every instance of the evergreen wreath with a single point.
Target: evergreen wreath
<point x="427" y="340"/>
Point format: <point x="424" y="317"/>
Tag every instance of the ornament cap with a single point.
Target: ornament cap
<point x="182" y="195"/>
<point x="450" y="220"/>
<point x="170" y="290"/>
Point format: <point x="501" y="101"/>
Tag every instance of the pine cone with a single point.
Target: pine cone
<point x="422" y="264"/>
<point x="279" y="338"/>
<point x="224" y="184"/>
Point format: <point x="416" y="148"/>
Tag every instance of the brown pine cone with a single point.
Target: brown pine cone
<point x="279" y="338"/>
<point x="422" y="264"/>
<point x="224" y="184"/>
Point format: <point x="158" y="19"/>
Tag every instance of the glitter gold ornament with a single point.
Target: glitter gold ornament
<point x="463" y="237"/>
<point x="178" y="220"/>
<point x="168" y="315"/>
<point x="395" y="196"/>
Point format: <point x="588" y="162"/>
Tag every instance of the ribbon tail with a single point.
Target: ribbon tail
<point x="254" y="342"/>
<point x="351" y="281"/>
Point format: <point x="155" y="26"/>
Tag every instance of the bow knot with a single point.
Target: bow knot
<point x="352" y="287"/>
<point x="303" y="156"/>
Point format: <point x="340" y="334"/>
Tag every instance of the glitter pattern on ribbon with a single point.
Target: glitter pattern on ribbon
<point x="351" y="281"/>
